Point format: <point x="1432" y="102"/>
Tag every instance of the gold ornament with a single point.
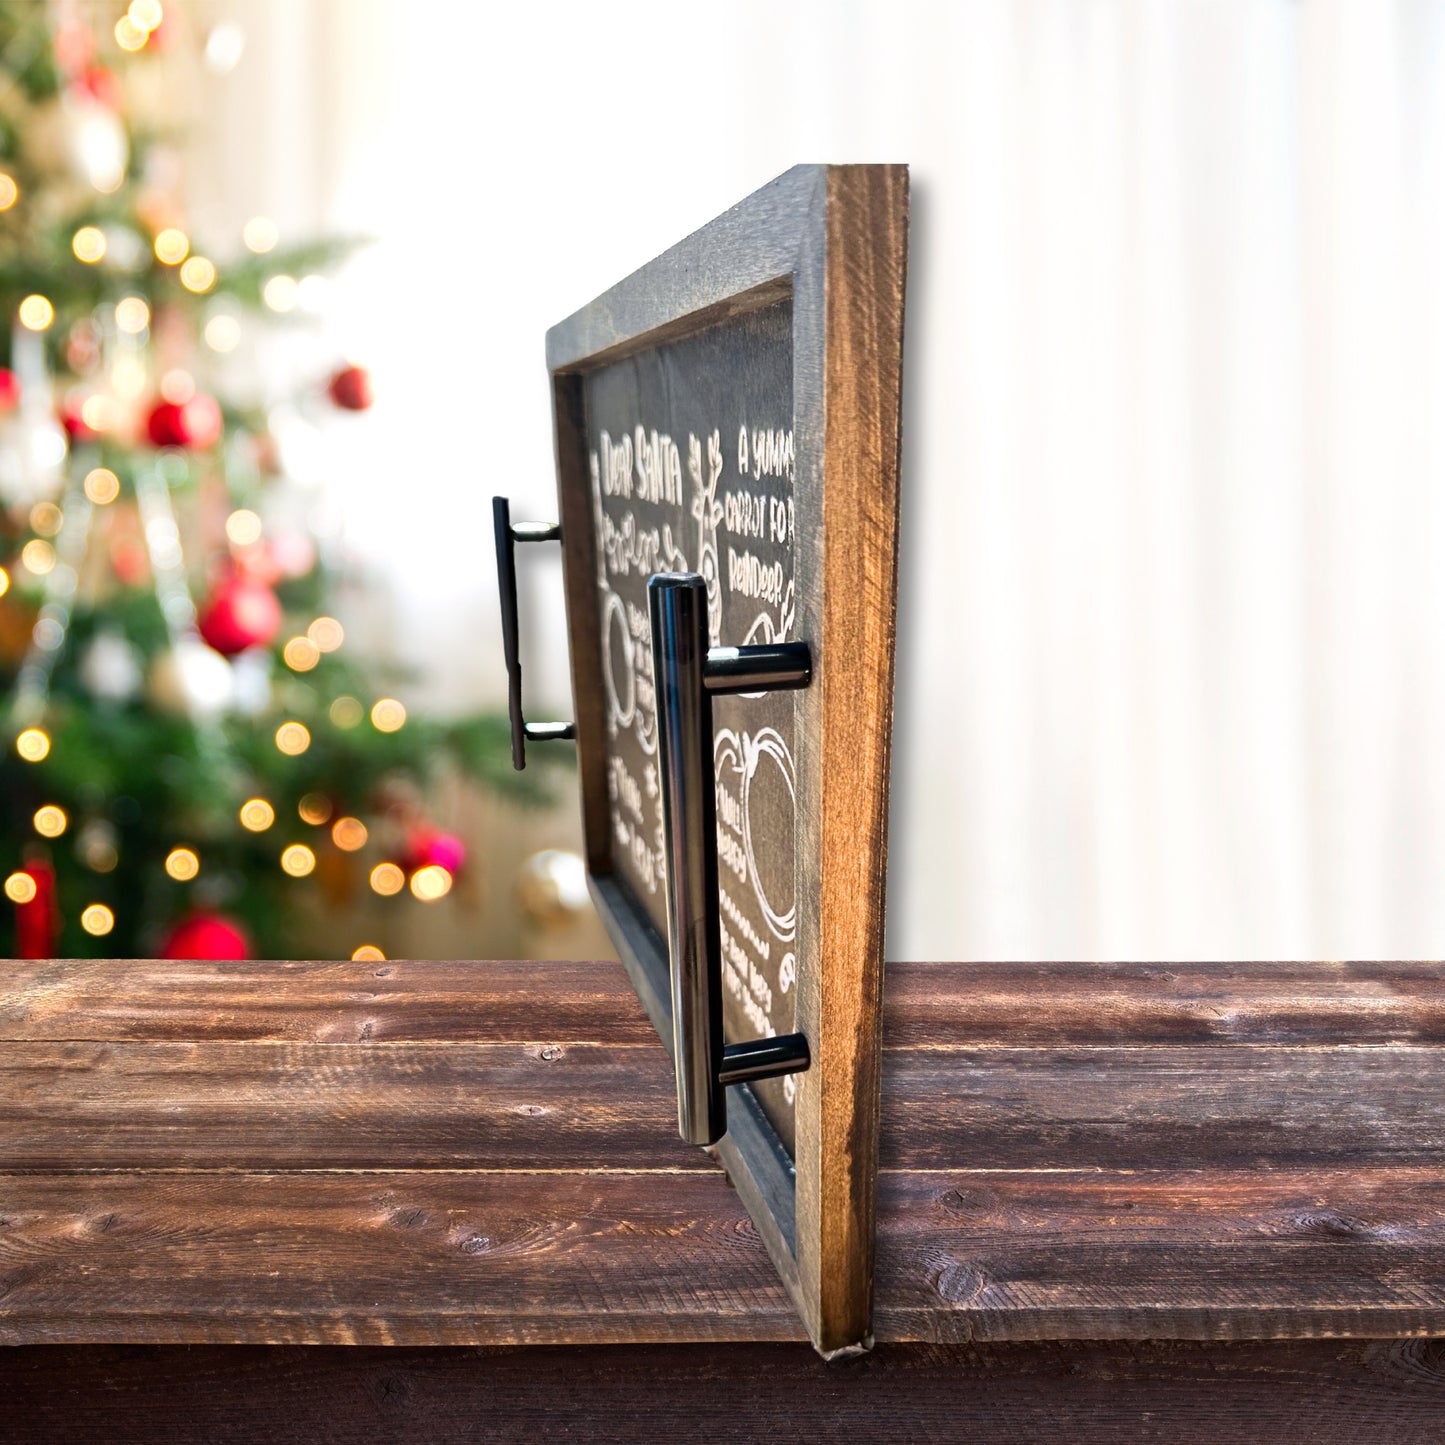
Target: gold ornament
<point x="552" y="888"/>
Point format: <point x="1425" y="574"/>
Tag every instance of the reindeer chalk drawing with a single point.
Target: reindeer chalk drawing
<point x="707" y="512"/>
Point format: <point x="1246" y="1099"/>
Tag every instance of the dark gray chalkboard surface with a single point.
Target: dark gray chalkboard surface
<point x="691" y="453"/>
<point x="731" y="409"/>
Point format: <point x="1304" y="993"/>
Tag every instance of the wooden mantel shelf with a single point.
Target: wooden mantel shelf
<point x="485" y="1153"/>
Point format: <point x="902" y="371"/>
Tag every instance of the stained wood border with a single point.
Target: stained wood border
<point x="834" y="238"/>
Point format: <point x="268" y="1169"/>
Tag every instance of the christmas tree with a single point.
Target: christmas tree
<point x="191" y="741"/>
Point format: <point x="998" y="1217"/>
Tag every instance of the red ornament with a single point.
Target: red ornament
<point x="256" y="563"/>
<point x="129" y="560"/>
<point x="293" y="552"/>
<point x="161" y="36"/>
<point x="425" y="847"/>
<point x="194" y="423"/>
<point x="75" y="424"/>
<point x="101" y="85"/>
<point x="351" y="389"/>
<point x="240" y="613"/>
<point x="82" y="347"/>
<point x="207" y="935"/>
<point x="37" y="923"/>
<point x="9" y="391"/>
<point x="266" y="453"/>
<point x="74" y="45"/>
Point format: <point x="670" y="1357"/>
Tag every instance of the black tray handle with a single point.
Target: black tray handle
<point x="507" y="534"/>
<point x="687" y="674"/>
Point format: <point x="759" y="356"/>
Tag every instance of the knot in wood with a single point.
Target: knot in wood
<point x="969" y="1203"/>
<point x="1419" y="1360"/>
<point x="1333" y="1224"/>
<point x="391" y="1391"/>
<point x="961" y="1284"/>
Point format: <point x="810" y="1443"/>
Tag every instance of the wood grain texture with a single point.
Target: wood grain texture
<point x="249" y="1187"/>
<point x="527" y="1256"/>
<point x="1192" y="1254"/>
<point x="472" y="1257"/>
<point x="929" y="1004"/>
<point x="342" y="1002"/>
<point x="222" y="1105"/>
<point x="1148" y="1003"/>
<point x="1328" y="1392"/>
<point x="499" y="1001"/>
<point x="853" y="283"/>
<point x="1162" y="1107"/>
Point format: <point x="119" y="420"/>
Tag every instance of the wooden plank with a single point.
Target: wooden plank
<point x="924" y="1004"/>
<point x="1293" y="1393"/>
<point x="851" y="288"/>
<point x="528" y="1256"/>
<point x="1013" y="1255"/>
<point x="319" y="1002"/>
<point x="478" y="1257"/>
<point x="1144" y="1003"/>
<point x="185" y="1105"/>
<point x="338" y="1106"/>
<point x="1220" y="1190"/>
<point x="1162" y="1107"/>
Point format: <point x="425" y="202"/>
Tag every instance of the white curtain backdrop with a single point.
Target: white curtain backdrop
<point x="1172" y="617"/>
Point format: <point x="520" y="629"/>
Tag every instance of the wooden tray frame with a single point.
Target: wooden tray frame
<point x="834" y="238"/>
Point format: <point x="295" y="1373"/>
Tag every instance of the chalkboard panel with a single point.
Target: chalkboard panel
<point x="691" y="455"/>
<point x="731" y="409"/>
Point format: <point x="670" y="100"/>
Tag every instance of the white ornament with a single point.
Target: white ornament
<point x="98" y="146"/>
<point x="192" y="680"/>
<point x="110" y="668"/>
<point x="124" y="248"/>
<point x="97" y="845"/>
<point x="32" y="450"/>
<point x="224" y="47"/>
<point x="32" y="442"/>
<point x="251" y="672"/>
<point x="301" y="449"/>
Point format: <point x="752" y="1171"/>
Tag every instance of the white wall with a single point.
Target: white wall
<point x="1172" y="667"/>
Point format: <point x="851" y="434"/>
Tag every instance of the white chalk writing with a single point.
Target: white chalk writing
<point x="770" y="451"/>
<point x="753" y="578"/>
